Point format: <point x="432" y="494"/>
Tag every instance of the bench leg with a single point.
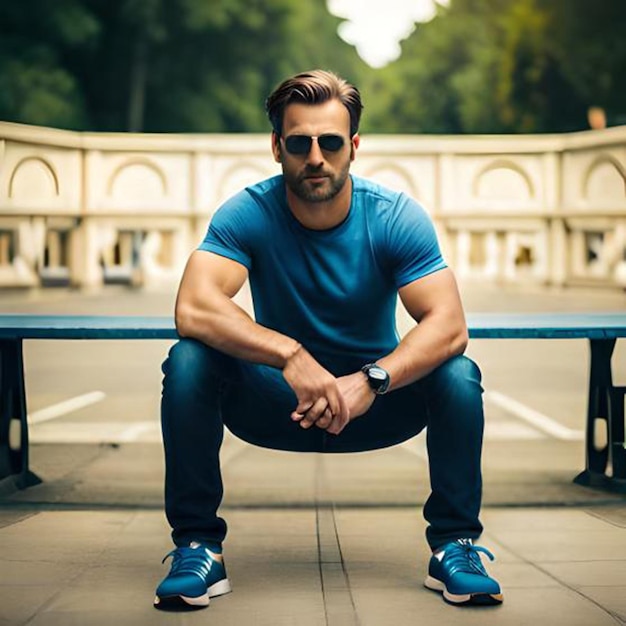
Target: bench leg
<point x="618" y="447"/>
<point x="606" y="404"/>
<point x="13" y="422"/>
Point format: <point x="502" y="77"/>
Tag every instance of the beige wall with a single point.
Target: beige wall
<point x="91" y="207"/>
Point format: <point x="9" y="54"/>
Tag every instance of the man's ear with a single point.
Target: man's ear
<point x="276" y="147"/>
<point x="355" y="141"/>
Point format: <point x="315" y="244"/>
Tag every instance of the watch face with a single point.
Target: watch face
<point x="378" y="378"/>
<point x="377" y="373"/>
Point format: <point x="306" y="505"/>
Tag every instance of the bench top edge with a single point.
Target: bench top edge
<point x="87" y="327"/>
<point x="603" y="325"/>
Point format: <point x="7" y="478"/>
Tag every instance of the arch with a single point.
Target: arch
<point x="605" y="178"/>
<point x="395" y="177"/>
<point x="503" y="175"/>
<point x="43" y="173"/>
<point x="238" y="176"/>
<point x="134" y="171"/>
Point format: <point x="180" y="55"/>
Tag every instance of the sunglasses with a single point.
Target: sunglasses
<point x="301" y="144"/>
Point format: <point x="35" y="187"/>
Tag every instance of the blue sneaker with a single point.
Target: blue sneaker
<point x="457" y="571"/>
<point x="197" y="574"/>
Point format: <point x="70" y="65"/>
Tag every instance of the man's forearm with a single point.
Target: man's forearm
<point x="425" y="347"/>
<point x="228" y="328"/>
<point x="223" y="325"/>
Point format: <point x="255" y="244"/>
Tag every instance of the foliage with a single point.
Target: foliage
<point x="484" y="66"/>
<point x="159" y="65"/>
<point x="480" y="66"/>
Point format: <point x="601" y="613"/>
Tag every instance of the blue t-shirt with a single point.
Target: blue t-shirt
<point x="334" y="291"/>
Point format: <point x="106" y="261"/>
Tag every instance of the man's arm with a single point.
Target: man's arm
<point x="441" y="332"/>
<point x="205" y="311"/>
<point x="434" y="303"/>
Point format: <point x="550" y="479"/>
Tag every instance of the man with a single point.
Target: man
<point x="321" y="368"/>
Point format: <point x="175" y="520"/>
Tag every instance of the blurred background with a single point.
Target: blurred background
<point x="424" y="66"/>
<point x="124" y="124"/>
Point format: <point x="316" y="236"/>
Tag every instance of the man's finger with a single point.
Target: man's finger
<point x="303" y="406"/>
<point x="325" y="420"/>
<point x="334" y="402"/>
<point x="338" y="424"/>
<point x="314" y="413"/>
<point x="339" y="408"/>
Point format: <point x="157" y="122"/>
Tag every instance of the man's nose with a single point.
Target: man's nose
<point x="315" y="156"/>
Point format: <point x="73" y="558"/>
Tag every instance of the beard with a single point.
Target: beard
<point x="302" y="186"/>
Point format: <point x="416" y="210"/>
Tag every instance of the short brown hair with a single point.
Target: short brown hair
<point x="314" y="87"/>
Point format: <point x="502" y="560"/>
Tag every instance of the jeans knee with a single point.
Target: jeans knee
<point x="454" y="395"/>
<point x="189" y="360"/>
<point x="460" y="374"/>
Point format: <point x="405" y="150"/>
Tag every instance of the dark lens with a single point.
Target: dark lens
<point x="301" y="144"/>
<point x="330" y="143"/>
<point x="298" y="144"/>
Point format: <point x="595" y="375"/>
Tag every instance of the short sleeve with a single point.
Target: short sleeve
<point x="412" y="246"/>
<point x="229" y="230"/>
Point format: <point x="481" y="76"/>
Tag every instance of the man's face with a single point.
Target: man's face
<point x="319" y="174"/>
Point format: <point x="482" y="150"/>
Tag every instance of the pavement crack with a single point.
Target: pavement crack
<point x="339" y="605"/>
<point x="616" y="618"/>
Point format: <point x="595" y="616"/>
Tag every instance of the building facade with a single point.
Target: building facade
<point x="90" y="208"/>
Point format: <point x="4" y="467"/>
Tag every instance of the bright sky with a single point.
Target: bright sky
<point x="376" y="27"/>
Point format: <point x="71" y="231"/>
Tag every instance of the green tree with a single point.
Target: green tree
<point x="35" y="38"/>
<point x="159" y="65"/>
<point x="485" y="66"/>
<point x="481" y="66"/>
<point x="440" y="81"/>
<point x="590" y="50"/>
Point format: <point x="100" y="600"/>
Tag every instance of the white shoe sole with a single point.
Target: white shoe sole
<point x="220" y="588"/>
<point x="469" y="598"/>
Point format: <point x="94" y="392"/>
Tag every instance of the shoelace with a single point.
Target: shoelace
<point x="190" y="561"/>
<point x="464" y="558"/>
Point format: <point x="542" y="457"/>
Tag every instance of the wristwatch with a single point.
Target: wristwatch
<point x="377" y="377"/>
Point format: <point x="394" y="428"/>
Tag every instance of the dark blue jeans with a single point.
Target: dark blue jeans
<point x="204" y="389"/>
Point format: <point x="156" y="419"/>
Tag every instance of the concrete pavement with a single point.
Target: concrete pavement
<point x="71" y="556"/>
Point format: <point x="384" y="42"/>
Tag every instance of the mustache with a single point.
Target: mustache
<point x="313" y="171"/>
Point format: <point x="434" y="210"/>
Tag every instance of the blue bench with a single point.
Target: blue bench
<point x="605" y="464"/>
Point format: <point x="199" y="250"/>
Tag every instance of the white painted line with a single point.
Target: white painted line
<point x="97" y="432"/>
<point x="136" y="431"/>
<point x="498" y="431"/>
<point x="65" y="407"/>
<point x="510" y="431"/>
<point x="536" y="419"/>
<point x="89" y="432"/>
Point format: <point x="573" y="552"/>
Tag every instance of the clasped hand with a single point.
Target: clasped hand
<point x="323" y="400"/>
